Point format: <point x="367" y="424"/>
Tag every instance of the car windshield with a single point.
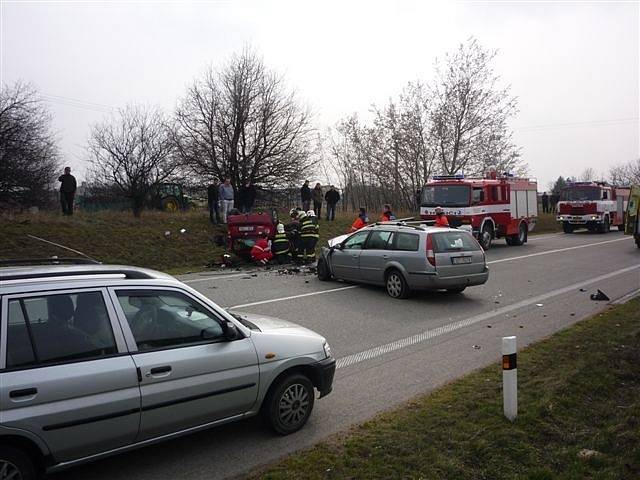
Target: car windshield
<point x="580" y="193"/>
<point x="445" y="196"/>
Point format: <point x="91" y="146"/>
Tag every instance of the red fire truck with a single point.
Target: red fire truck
<point x="595" y="205"/>
<point x="494" y="207"/>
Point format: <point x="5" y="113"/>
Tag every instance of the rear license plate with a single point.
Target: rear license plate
<point x="460" y="260"/>
<point x="245" y="229"/>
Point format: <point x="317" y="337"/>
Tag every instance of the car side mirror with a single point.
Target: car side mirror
<point x="209" y="333"/>
<point x="230" y="331"/>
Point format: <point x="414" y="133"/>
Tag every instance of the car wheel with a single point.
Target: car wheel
<point x="288" y="406"/>
<point x="486" y="236"/>
<point x="16" y="465"/>
<point x="396" y="285"/>
<point x="457" y="289"/>
<point x="567" y="227"/>
<point x="323" y="270"/>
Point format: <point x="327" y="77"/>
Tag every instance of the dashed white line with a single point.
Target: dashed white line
<point x="450" y="327"/>
<point x="321" y="292"/>
<point x="216" y="277"/>
<point x="557" y="250"/>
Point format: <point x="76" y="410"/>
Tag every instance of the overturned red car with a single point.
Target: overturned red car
<point x="245" y="228"/>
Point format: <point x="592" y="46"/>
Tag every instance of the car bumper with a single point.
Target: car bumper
<point x="579" y="219"/>
<point x="323" y="375"/>
<point x="433" y="281"/>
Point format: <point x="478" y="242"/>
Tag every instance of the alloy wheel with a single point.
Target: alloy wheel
<point x="394" y="285"/>
<point x="294" y="405"/>
<point x="8" y="471"/>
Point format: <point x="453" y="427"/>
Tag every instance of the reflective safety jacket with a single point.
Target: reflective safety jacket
<point x="280" y="244"/>
<point x="441" y="221"/>
<point x="309" y="229"/>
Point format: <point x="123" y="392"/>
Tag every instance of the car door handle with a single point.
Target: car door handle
<point x="25" y="392"/>
<point x="385" y="256"/>
<point x="159" y="371"/>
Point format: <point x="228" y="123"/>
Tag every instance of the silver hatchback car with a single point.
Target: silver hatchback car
<point x="405" y="257"/>
<point x="98" y="359"/>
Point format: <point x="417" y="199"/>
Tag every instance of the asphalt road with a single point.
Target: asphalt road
<point x="388" y="350"/>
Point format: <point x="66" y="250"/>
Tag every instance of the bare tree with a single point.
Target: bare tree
<point x="134" y="151"/>
<point x="243" y="122"/>
<point x="470" y="113"/>
<point x="28" y="152"/>
<point x="588" y="175"/>
<point x="626" y="174"/>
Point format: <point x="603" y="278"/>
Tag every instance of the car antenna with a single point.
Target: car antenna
<point x="62" y="246"/>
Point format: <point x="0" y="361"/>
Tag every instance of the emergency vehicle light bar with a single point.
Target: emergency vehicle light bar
<point x="448" y="177"/>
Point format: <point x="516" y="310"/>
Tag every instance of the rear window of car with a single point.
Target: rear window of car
<point x="407" y="242"/>
<point x="454" y="242"/>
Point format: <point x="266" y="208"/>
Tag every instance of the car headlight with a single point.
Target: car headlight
<point x="327" y="349"/>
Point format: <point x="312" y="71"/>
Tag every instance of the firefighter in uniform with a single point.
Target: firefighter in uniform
<point x="308" y="236"/>
<point x="280" y="246"/>
<point x="313" y="241"/>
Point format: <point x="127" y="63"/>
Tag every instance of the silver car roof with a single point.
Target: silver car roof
<point x="16" y="276"/>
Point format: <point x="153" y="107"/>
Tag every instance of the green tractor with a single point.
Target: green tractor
<point x="169" y="197"/>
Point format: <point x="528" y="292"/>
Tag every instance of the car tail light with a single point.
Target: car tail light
<point x="430" y="255"/>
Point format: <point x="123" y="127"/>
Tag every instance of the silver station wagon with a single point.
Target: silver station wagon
<point x="97" y="359"/>
<point x="405" y="257"/>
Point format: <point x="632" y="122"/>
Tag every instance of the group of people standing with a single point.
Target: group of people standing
<point x="549" y="202"/>
<point x="221" y="198"/>
<point x="317" y="196"/>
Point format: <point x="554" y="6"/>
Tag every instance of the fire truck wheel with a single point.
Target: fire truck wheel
<point x="605" y="227"/>
<point x="486" y="236"/>
<point x="520" y="238"/>
<point x="567" y="227"/>
<point x="621" y="227"/>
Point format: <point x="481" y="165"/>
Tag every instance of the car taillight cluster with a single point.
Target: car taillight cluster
<point x="431" y="257"/>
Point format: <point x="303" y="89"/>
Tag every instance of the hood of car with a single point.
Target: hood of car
<point x="336" y="240"/>
<point x="264" y="322"/>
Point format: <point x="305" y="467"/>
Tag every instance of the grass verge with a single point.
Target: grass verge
<point x="118" y="237"/>
<point x="579" y="389"/>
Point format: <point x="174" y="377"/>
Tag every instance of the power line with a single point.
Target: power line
<point x="589" y="123"/>
<point x="77" y="103"/>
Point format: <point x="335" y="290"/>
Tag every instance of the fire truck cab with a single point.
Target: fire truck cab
<point x="494" y="207"/>
<point x="595" y="205"/>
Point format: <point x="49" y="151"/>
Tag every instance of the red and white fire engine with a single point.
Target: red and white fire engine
<point x="595" y="205"/>
<point x="494" y="207"/>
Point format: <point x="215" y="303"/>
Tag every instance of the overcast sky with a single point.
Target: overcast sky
<point x="573" y="65"/>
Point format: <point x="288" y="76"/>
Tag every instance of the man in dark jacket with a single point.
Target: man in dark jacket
<point x="246" y="197"/>
<point x="305" y="196"/>
<point x="68" y="187"/>
<point x="212" y="200"/>
<point x="332" y="197"/>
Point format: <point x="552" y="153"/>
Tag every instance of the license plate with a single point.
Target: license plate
<point x="460" y="260"/>
<point x="245" y="229"/>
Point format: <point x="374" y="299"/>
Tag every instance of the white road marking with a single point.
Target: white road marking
<point x="216" y="277"/>
<point x="321" y="292"/>
<point x="558" y="250"/>
<point x="626" y="298"/>
<point x="450" y="327"/>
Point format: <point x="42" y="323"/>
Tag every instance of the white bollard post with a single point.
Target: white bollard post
<point x="509" y="378"/>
